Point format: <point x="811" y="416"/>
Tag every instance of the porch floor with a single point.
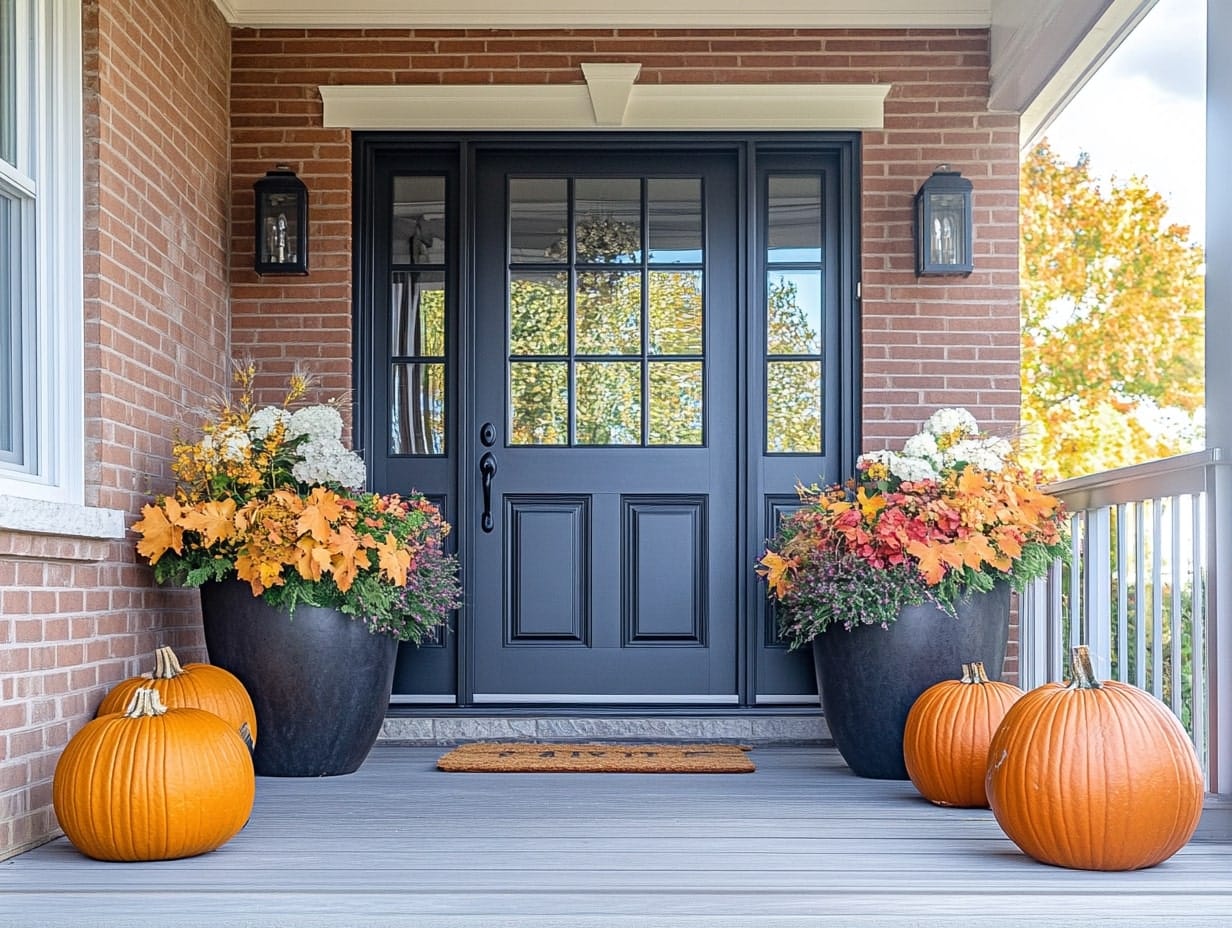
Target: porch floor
<point x="801" y="842"/>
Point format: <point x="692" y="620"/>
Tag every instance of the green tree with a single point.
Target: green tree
<point x="1112" y="321"/>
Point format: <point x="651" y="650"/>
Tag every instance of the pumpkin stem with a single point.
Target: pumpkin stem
<point x="1084" y="670"/>
<point x="167" y="665"/>
<point x="146" y="703"/>
<point x="978" y="673"/>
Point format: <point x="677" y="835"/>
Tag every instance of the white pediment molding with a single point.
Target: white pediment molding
<point x="610" y="100"/>
<point x="578" y="14"/>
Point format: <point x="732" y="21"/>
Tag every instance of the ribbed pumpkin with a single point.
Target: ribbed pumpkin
<point x="199" y="686"/>
<point x="949" y="727"/>
<point x="1094" y="776"/>
<point x="153" y="783"/>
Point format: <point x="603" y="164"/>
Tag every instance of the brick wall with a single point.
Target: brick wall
<point x="927" y="343"/>
<point x="77" y="615"/>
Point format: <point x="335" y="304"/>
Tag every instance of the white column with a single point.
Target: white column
<point x="1219" y="379"/>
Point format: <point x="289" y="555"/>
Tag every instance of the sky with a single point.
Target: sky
<point x="1143" y="112"/>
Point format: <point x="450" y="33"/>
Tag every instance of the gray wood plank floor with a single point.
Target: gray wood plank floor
<point x="801" y="842"/>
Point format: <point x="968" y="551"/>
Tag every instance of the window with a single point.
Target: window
<point x="40" y="250"/>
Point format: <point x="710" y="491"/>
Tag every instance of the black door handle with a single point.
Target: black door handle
<point x="487" y="470"/>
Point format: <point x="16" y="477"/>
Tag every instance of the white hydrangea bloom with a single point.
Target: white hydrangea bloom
<point x="233" y="444"/>
<point x="262" y="422"/>
<point x="922" y="446"/>
<point x="317" y="422"/>
<point x="884" y="456"/>
<point x="985" y="453"/>
<point x="953" y="419"/>
<point x="325" y="460"/>
<point x="912" y="469"/>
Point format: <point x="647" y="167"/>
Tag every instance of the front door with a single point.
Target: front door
<point x="610" y="359"/>
<point x="605" y="390"/>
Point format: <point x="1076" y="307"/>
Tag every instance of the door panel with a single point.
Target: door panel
<point x="608" y="358"/>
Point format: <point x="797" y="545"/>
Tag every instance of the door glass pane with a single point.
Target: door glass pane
<point x="675" y="306"/>
<point x="793" y="407"/>
<point x="675" y="208"/>
<point x="538" y="220"/>
<point x="417" y="304"/>
<point x="419" y="220"/>
<point x="539" y="403"/>
<point x="609" y="403"/>
<point x="609" y="312"/>
<point x="675" y="402"/>
<point x="794" y="224"/>
<point x="538" y="313"/>
<point x="608" y="220"/>
<point x="793" y="312"/>
<point x="417" y="409"/>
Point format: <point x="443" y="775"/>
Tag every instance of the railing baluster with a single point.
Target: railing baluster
<point x="1197" y="659"/>
<point x="1097" y="589"/>
<point x="1140" y="596"/>
<point x="1157" y="600"/>
<point x="1176" y="625"/>
<point x="1122" y="597"/>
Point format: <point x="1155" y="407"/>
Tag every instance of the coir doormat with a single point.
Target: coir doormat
<point x="526" y="757"/>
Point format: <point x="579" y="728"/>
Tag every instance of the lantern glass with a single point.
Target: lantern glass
<point x="281" y="221"/>
<point x="947" y="229"/>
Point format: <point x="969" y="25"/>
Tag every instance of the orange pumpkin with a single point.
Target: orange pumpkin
<point x="1094" y="776"/>
<point x="199" y="686"/>
<point x="945" y="742"/>
<point x="153" y="783"/>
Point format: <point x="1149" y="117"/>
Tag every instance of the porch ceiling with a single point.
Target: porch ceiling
<point x="1041" y="54"/>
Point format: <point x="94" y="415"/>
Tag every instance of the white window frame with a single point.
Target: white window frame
<point x="49" y="178"/>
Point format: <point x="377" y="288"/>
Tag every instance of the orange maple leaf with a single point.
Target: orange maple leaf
<point x="971" y="481"/>
<point x="214" y="520"/>
<point x="870" y="505"/>
<point x="321" y="510"/>
<point x="776" y="568"/>
<point x="394" y="559"/>
<point x="160" y="530"/>
<point x="929" y="561"/>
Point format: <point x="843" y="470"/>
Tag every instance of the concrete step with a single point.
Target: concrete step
<point x="751" y="729"/>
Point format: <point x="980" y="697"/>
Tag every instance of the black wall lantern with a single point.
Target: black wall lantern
<point x="282" y="223"/>
<point x="943" y="225"/>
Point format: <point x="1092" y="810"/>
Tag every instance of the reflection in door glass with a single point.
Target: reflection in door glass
<point x="793" y="414"/>
<point x="609" y="312"/>
<point x="608" y="220"/>
<point x="793" y="228"/>
<point x="539" y="403"/>
<point x="675" y="402"/>
<point x="538" y="220"/>
<point x="675" y="305"/>
<point x="793" y="312"/>
<point x="609" y="403"/>
<point x="538" y="313"/>
<point x="417" y="323"/>
<point x="417" y="409"/>
<point x="675" y="208"/>
<point x="419" y="220"/>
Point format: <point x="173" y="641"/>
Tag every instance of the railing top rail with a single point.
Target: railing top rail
<point x="1182" y="474"/>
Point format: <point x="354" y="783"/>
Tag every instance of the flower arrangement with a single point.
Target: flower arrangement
<point x="272" y="497"/>
<point x="951" y="514"/>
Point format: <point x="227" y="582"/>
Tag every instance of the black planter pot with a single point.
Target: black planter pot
<point x="869" y="677"/>
<point x="320" y="681"/>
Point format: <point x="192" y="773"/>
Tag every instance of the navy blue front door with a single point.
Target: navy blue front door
<point x="605" y="531"/>
<point x="610" y="359"/>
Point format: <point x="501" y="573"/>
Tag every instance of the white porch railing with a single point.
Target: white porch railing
<point x="1142" y="592"/>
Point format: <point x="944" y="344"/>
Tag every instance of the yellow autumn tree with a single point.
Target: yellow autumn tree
<point x="1112" y="321"/>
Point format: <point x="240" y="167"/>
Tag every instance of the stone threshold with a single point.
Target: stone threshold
<point x="453" y="729"/>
